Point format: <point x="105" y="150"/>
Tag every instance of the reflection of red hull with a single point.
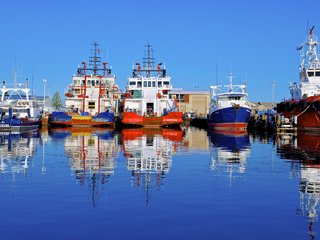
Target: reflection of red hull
<point x="172" y="119"/>
<point x="134" y="133"/>
<point x="227" y="128"/>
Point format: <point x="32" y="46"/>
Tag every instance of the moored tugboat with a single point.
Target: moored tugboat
<point x="146" y="101"/>
<point x="92" y="98"/>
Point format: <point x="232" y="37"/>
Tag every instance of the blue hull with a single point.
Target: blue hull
<point x="16" y="124"/>
<point x="229" y="116"/>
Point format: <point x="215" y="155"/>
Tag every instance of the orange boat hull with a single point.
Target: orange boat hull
<point x="172" y="119"/>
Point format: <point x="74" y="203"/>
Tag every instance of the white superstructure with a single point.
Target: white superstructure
<point x="309" y="70"/>
<point x="93" y="88"/>
<point x="147" y="91"/>
<point x="18" y="98"/>
<point x="225" y="96"/>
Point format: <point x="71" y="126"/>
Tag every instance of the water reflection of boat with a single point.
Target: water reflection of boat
<point x="229" y="152"/>
<point x="91" y="152"/>
<point x="16" y="151"/>
<point x="149" y="155"/>
<point x="304" y="149"/>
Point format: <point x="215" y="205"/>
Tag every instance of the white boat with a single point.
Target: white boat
<point x="147" y="101"/>
<point x="92" y="97"/>
<point x="18" y="111"/>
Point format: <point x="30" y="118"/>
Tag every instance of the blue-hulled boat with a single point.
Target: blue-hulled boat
<point x="11" y="123"/>
<point x="229" y="108"/>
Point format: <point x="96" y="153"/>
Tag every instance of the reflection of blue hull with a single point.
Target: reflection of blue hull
<point x="230" y="115"/>
<point x="230" y="142"/>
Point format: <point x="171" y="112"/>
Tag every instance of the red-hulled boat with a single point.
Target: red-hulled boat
<point x="305" y="96"/>
<point x="146" y="101"/>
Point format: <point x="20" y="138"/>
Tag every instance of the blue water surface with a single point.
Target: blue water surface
<point x="158" y="184"/>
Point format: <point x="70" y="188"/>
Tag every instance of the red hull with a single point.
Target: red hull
<point x="172" y="119"/>
<point x="135" y="133"/>
<point x="306" y="110"/>
<point x="234" y="128"/>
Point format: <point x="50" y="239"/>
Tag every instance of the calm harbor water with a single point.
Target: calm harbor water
<point x="158" y="184"/>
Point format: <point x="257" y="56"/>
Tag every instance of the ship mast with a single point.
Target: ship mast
<point x="230" y="82"/>
<point x="312" y="60"/>
<point x="148" y="60"/>
<point x="95" y="63"/>
<point x="95" y="59"/>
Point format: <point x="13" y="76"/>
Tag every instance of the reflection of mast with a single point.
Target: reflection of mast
<point x="92" y="156"/>
<point x="149" y="157"/>
<point x="304" y="151"/>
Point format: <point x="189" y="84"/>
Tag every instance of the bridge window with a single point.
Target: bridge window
<point x="91" y="105"/>
<point x="149" y="83"/>
<point x="132" y="83"/>
<point x="310" y="74"/>
<point x="145" y="84"/>
<point x="159" y="84"/>
<point x="166" y="83"/>
<point x="153" y="84"/>
<point x="318" y="74"/>
<point x="139" y="84"/>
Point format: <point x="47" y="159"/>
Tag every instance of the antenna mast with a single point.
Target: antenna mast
<point x="95" y="58"/>
<point x="148" y="60"/>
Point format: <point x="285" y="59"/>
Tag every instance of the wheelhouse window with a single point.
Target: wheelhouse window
<point x="149" y="83"/>
<point x="153" y="84"/>
<point x="318" y="74"/>
<point x="139" y="84"/>
<point x="235" y="98"/>
<point x="91" y="105"/>
<point x="165" y="82"/>
<point x="132" y="83"/>
<point x="310" y="74"/>
<point x="159" y="84"/>
<point x="145" y="83"/>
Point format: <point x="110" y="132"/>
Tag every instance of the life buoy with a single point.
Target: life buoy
<point x="159" y="95"/>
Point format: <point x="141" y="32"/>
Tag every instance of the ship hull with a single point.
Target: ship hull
<point x="229" y="119"/>
<point x="18" y="125"/>
<point x="306" y="110"/>
<point x="172" y="119"/>
<point x="60" y="119"/>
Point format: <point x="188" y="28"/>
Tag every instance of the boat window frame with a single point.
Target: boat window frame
<point x="310" y="74"/>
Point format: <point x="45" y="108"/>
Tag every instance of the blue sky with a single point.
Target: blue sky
<point x="257" y="39"/>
